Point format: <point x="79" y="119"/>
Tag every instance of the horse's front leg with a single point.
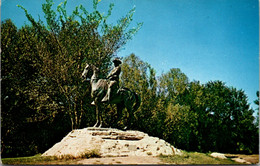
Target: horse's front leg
<point x="97" y="114"/>
<point x="96" y="124"/>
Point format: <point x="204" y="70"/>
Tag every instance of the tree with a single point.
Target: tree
<point x="257" y="103"/>
<point x="177" y="125"/>
<point x="18" y="70"/>
<point x="140" y="77"/>
<point x="230" y="119"/>
<point x="42" y="64"/>
<point x="243" y="121"/>
<point x="66" y="44"/>
<point x="194" y="97"/>
<point x="173" y="85"/>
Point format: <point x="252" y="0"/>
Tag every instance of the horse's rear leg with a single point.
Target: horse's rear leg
<point x="119" y="111"/>
<point x="101" y="120"/>
<point x="100" y="115"/>
<point x="131" y="117"/>
<point x="97" y="117"/>
<point x="120" y="108"/>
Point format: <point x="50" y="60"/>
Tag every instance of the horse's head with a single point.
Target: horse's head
<point x="88" y="71"/>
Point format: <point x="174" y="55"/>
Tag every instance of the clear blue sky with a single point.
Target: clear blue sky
<point x="207" y="39"/>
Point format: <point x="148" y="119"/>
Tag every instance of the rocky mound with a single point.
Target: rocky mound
<point x="110" y="142"/>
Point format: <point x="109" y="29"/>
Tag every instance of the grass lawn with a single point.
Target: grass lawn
<point x="195" y="158"/>
<point x="38" y="160"/>
<point x="186" y="158"/>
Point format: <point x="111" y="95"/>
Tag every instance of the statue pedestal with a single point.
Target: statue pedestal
<point x="110" y="142"/>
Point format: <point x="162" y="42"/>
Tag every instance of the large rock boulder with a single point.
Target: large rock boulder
<point x="218" y="155"/>
<point x="110" y="142"/>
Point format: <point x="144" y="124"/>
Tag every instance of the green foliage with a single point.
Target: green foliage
<point x="140" y="77"/>
<point x="190" y="115"/>
<point x="257" y="103"/>
<point x="43" y="95"/>
<point x="177" y="116"/>
<point x="195" y="158"/>
<point x="173" y="85"/>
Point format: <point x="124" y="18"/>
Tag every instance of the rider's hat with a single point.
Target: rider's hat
<point x="117" y="60"/>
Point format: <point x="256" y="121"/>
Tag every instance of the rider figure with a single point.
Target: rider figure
<point x="114" y="80"/>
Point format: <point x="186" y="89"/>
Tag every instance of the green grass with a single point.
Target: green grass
<point x="195" y="158"/>
<point x="37" y="159"/>
<point x="40" y="160"/>
<point x="186" y="158"/>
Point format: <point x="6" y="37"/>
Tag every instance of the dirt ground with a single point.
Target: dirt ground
<point x="253" y="159"/>
<point x="122" y="160"/>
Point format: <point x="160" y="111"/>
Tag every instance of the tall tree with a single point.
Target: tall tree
<point x="19" y="69"/>
<point x="172" y="88"/>
<point x="195" y="98"/>
<point x="66" y="44"/>
<point x="42" y="64"/>
<point x="140" y="77"/>
<point x="173" y="85"/>
<point x="230" y="119"/>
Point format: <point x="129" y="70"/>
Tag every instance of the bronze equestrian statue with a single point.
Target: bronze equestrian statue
<point x="108" y="91"/>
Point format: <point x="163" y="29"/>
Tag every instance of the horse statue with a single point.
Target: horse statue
<point x="124" y="98"/>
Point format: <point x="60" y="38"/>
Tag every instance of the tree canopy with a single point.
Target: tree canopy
<point x="190" y="115"/>
<point x="43" y="96"/>
<point x="42" y="65"/>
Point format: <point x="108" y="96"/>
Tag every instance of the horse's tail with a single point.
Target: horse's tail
<point x="137" y="101"/>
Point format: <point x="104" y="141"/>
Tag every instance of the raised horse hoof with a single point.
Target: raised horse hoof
<point x="93" y="103"/>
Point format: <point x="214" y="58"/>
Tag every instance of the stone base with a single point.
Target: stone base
<point x="110" y="142"/>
